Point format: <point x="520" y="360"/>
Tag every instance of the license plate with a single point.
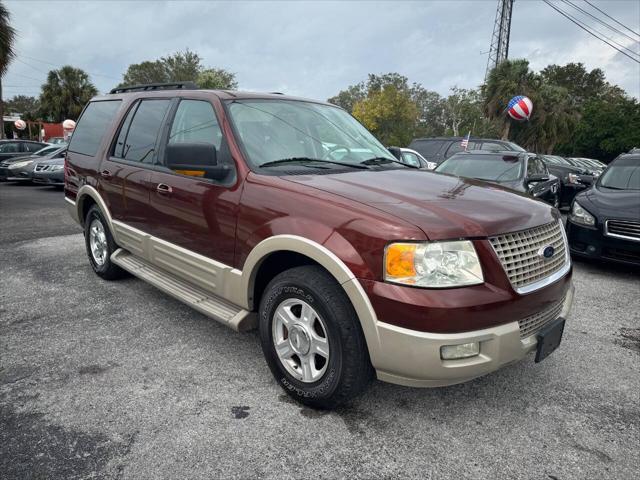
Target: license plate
<point x="549" y="339"/>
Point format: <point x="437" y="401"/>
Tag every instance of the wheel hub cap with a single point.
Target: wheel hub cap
<point x="301" y="340"/>
<point x="98" y="242"/>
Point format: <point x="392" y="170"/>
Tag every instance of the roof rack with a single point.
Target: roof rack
<point x="156" y="86"/>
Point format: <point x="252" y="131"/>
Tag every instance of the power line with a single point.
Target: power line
<point x="609" y="16"/>
<point x="600" y="20"/>
<point x="25" y="76"/>
<point x="58" y="65"/>
<point x="586" y="29"/>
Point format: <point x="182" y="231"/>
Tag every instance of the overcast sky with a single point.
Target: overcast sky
<point x="312" y="49"/>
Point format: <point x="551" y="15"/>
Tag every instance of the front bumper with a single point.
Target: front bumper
<point x="49" y="177"/>
<point x="412" y="358"/>
<point x="592" y="243"/>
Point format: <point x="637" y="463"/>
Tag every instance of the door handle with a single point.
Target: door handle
<point x="105" y="173"/>
<point x="164" y="189"/>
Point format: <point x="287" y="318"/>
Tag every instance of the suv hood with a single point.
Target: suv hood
<point x="442" y="206"/>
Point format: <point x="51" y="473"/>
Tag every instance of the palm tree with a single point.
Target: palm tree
<point x="65" y="94"/>
<point x="509" y="78"/>
<point x="7" y="54"/>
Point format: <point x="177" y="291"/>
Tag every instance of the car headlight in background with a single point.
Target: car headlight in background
<point x="580" y="216"/>
<point x="433" y="264"/>
<point x="20" y="164"/>
<point x="56" y="167"/>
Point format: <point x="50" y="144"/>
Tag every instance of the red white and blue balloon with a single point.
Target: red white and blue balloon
<point x="520" y="108"/>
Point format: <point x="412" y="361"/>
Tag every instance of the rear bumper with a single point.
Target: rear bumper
<point x="412" y="358"/>
<point x="592" y="243"/>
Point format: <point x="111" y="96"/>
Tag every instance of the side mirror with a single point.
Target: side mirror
<point x="196" y="160"/>
<point x="537" y="177"/>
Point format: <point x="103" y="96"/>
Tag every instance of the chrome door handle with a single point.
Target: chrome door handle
<point x="164" y="188"/>
<point x="105" y="173"/>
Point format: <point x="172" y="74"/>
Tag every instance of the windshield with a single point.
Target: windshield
<point x="47" y="150"/>
<point x="623" y="174"/>
<point x="494" y="168"/>
<point x="272" y="130"/>
<point x="515" y="147"/>
<point x="556" y="160"/>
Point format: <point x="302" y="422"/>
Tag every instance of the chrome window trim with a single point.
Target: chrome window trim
<point x="616" y="235"/>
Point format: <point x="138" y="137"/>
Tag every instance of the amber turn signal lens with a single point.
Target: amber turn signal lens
<point x="399" y="260"/>
<point x="191" y="173"/>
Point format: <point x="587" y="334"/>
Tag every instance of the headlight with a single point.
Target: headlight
<point x="580" y="216"/>
<point x="56" y="167"/>
<point x="573" y="178"/>
<point x="433" y="264"/>
<point x="20" y="164"/>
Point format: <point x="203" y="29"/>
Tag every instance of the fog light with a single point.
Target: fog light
<point x="464" y="350"/>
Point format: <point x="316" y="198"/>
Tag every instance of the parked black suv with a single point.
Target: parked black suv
<point x="438" y="149"/>
<point x="574" y="179"/>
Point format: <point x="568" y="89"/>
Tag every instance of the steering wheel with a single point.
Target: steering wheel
<point x="336" y="148"/>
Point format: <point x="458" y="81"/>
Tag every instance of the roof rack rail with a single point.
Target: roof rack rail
<point x="156" y="86"/>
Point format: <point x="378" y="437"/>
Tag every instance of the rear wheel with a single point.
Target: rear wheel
<point x="100" y="245"/>
<point x="311" y="338"/>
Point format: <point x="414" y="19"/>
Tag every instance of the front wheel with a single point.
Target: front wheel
<point x="311" y="338"/>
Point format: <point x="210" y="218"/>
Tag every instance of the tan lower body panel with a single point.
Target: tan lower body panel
<point x="202" y="300"/>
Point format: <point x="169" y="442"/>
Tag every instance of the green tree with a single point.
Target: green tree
<point x="607" y="128"/>
<point x="178" y="67"/>
<point x="65" y="93"/>
<point x="26" y="106"/>
<point x="217" y="79"/>
<point x="389" y="114"/>
<point x="509" y="78"/>
<point x="553" y="120"/>
<point x="7" y="53"/>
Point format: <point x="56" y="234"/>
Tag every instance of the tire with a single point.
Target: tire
<point x="307" y="374"/>
<point x="101" y="263"/>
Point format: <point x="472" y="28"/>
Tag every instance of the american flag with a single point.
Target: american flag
<point x="465" y="141"/>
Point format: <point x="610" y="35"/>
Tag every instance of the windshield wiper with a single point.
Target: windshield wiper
<point x="382" y="160"/>
<point x="307" y="159"/>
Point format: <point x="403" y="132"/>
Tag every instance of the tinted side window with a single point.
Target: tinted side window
<point x="138" y="136"/>
<point x="92" y="126"/>
<point x="494" y="147"/>
<point x="195" y="122"/>
<point x="427" y="147"/>
<point x="457" y="147"/>
<point x="410" y="159"/>
<point x="535" y="166"/>
<point x="9" y="147"/>
<point x="33" y="147"/>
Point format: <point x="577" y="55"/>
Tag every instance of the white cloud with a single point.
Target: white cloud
<point x="312" y="49"/>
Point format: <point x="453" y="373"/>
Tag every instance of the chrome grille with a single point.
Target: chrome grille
<point x="623" y="229"/>
<point x="534" y="323"/>
<point x="41" y="168"/>
<point x="519" y="253"/>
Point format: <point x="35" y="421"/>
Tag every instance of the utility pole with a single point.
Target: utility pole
<point x="500" y="40"/>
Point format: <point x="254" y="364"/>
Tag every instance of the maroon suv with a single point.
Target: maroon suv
<point x="286" y="214"/>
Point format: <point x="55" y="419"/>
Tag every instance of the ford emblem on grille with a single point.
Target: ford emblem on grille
<point x="546" y="252"/>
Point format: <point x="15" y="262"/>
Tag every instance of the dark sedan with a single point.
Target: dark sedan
<point x="574" y="179"/>
<point x="523" y="172"/>
<point x="604" y="222"/>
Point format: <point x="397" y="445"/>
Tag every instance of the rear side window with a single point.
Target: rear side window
<point x="411" y="159"/>
<point x="92" y="126"/>
<point x="457" y="147"/>
<point x="427" y="148"/>
<point x="139" y="133"/>
<point x="33" y="147"/>
<point x="494" y="147"/>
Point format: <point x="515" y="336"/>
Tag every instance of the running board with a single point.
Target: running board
<point x="205" y="302"/>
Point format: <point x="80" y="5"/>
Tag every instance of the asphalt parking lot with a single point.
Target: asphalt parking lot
<point x="117" y="380"/>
